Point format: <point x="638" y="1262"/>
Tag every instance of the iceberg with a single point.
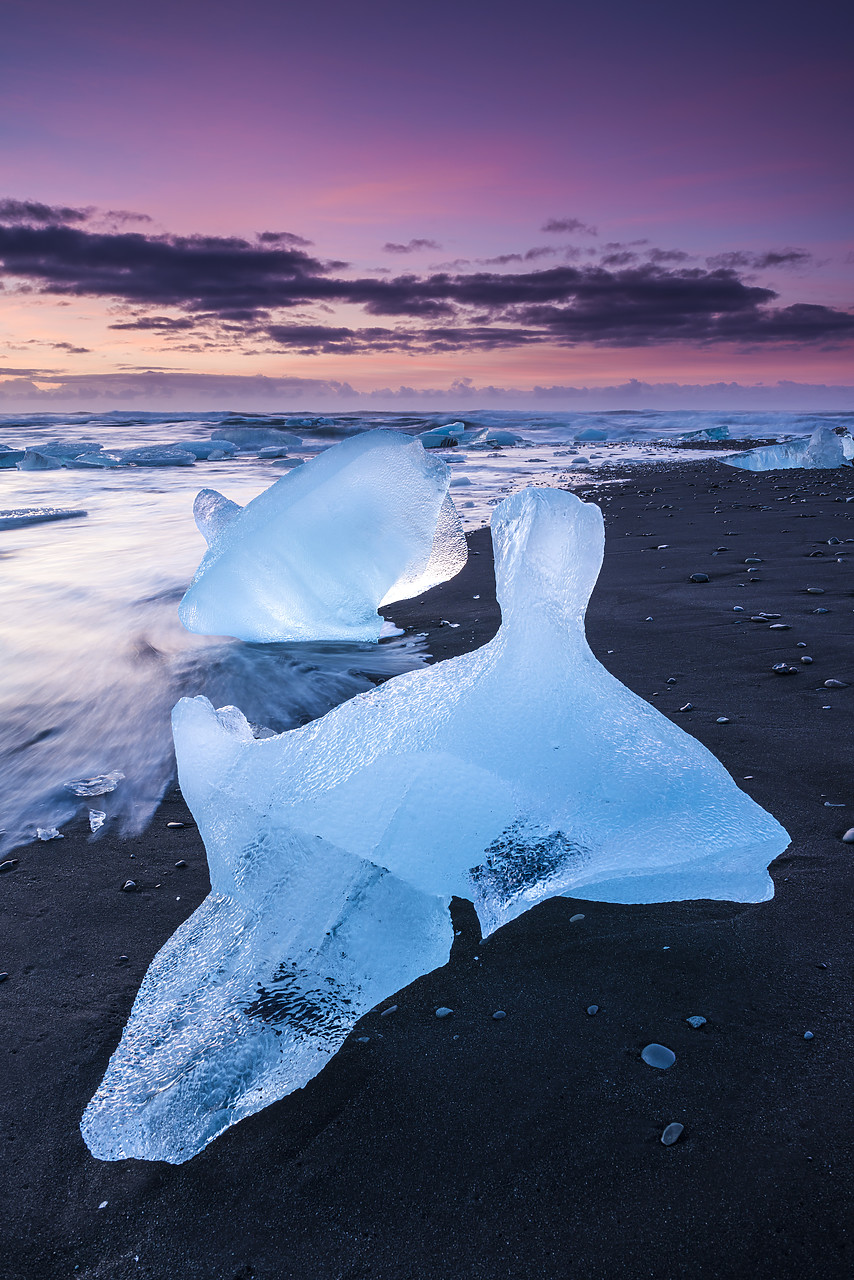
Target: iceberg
<point x="361" y="525"/>
<point x="507" y="775"/>
<point x="705" y="434"/>
<point x="824" y="449"/>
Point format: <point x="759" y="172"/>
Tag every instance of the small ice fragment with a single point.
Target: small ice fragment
<point x="20" y="516"/>
<point x="592" y="1009"/>
<point x="35" y="461"/>
<point x="207" y="448"/>
<point x="499" y="1014"/>
<point x="49" y="833"/>
<point x="102" y="785"/>
<point x="389" y="629"/>
<point x="696" y="1020"/>
<point x="97" y="818"/>
<point x="722" y="720"/>
<point x="362" y="1039"/>
<point x="391" y="1009"/>
<point x="737" y="608"/>
<point x="443" y="1012"/>
<point x="575" y="919"/>
<point x="672" y="1133"/>
<point x="808" y="1035"/>
<point x="255" y="438"/>
<point x="848" y="838"/>
<point x="103" y="1204"/>
<point x="657" y="1055"/>
<point x="157" y="456"/>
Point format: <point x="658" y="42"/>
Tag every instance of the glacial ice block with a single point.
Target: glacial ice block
<point x="508" y="775"/>
<point x="363" y="524"/>
<point x="823" y="449"/>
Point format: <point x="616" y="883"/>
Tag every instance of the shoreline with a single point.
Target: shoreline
<point x="528" y="1147"/>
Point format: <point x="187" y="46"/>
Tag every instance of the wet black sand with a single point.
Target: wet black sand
<point x="526" y="1148"/>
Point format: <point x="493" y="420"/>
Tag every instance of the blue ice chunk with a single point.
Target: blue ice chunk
<point x="363" y="524"/>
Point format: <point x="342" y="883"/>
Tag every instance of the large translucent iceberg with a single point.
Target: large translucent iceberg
<point x="507" y="775"/>
<point x="823" y="449"/>
<point x="363" y="524"/>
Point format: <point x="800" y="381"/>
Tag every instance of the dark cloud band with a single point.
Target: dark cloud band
<point x="251" y="286"/>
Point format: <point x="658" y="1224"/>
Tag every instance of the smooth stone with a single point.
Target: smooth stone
<point x="3" y="977"/>
<point x="672" y="1133"/>
<point x="499" y="1014"/>
<point x="835" y="684"/>
<point x="592" y="1008"/>
<point x="848" y="838"/>
<point x="783" y="669"/>
<point x="722" y="720"/>
<point x="753" y="560"/>
<point x="443" y="1012"/>
<point x="779" y="626"/>
<point x="391" y="1009"/>
<point x="738" y="608"/>
<point x="129" y="886"/>
<point x="815" y="591"/>
<point x="689" y="706"/>
<point x="9" y="865"/>
<point x="176" y="824"/>
<point x="575" y="919"/>
<point x="808" y="1035"/>
<point x="696" y="1020"/>
<point x="658" y="1055"/>
<point x="806" y="661"/>
<point x="699" y="577"/>
<point x="180" y="863"/>
<point x="819" y="611"/>
<point x="802" y="644"/>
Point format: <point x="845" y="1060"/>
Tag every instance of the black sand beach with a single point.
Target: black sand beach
<point x="527" y="1148"/>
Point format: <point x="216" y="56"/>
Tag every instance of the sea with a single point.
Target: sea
<point x="92" y="655"/>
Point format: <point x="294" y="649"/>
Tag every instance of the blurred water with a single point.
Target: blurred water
<point x="92" y="657"/>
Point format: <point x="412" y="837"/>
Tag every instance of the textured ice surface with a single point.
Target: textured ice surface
<point x="507" y="775"/>
<point x="823" y="449"/>
<point x="363" y="524"/>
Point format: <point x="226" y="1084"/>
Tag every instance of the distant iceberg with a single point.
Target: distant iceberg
<point x="361" y="525"/>
<point x="507" y="775"/>
<point x="824" y="449"/>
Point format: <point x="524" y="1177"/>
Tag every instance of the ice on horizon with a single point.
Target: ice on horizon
<point x="361" y="525"/>
<point x="824" y="449"/>
<point x="508" y="775"/>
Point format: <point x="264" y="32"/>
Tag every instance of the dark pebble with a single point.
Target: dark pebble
<point x="689" y="706"/>
<point x="180" y="863"/>
<point x="9" y="865"/>
<point x="835" y="684"/>
<point x="3" y="977"/>
<point x="699" y="577"/>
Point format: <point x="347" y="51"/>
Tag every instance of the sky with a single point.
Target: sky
<point x="203" y="202"/>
